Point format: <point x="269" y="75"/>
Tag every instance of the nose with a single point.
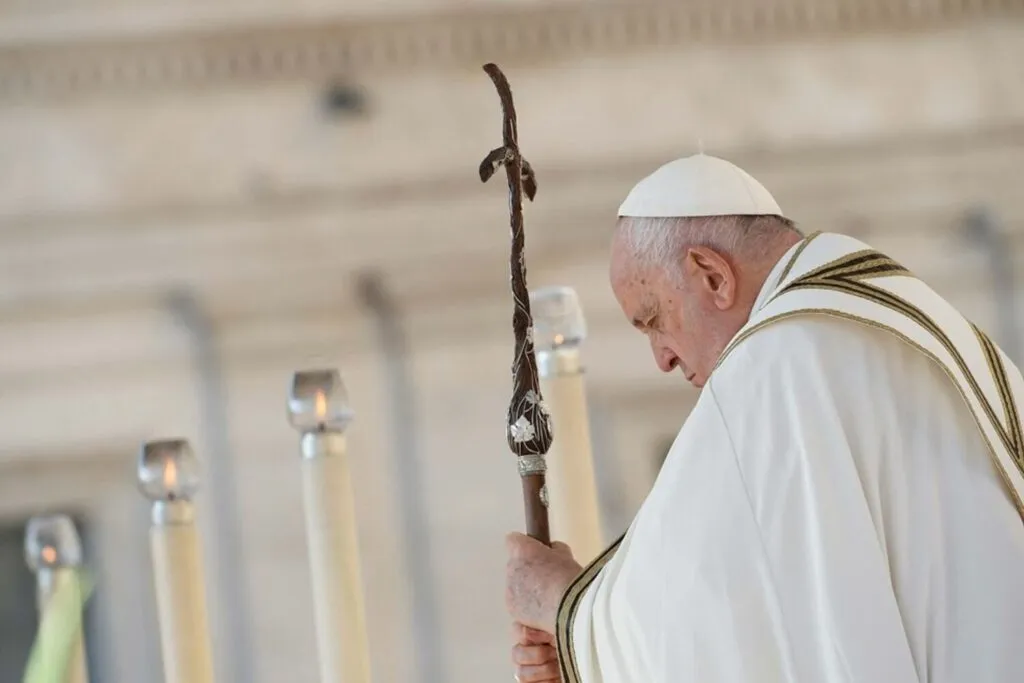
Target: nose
<point x="665" y="357"/>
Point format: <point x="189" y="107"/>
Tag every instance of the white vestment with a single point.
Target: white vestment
<point x="842" y="505"/>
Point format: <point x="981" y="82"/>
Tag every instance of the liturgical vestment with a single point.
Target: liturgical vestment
<point x="843" y="504"/>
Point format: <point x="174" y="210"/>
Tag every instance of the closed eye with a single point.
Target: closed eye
<point x="645" y="323"/>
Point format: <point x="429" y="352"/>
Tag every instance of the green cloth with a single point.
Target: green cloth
<point x="59" y="627"/>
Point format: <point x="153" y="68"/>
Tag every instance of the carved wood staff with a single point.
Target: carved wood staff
<point x="529" y="424"/>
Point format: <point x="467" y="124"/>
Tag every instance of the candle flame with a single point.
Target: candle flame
<point x="171" y="475"/>
<point x="49" y="554"/>
<point x="320" y="406"/>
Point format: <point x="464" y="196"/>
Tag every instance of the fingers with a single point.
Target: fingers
<point x="533" y="655"/>
<point x="518" y="544"/>
<point x="535" y="580"/>
<point x="524" y="635"/>
<point x="544" y="673"/>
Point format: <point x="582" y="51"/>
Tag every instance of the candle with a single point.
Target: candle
<point x="53" y="551"/>
<point x="318" y="408"/>
<point x="169" y="476"/>
<point x="559" y="330"/>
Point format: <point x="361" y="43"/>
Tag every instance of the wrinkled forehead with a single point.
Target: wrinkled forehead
<point x="626" y="268"/>
<point x="635" y="285"/>
<point x="623" y="262"/>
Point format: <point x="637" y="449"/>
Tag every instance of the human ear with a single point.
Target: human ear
<point x="715" y="274"/>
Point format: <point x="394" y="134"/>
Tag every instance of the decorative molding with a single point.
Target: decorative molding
<point x="811" y="159"/>
<point x="535" y="34"/>
<point x="908" y="187"/>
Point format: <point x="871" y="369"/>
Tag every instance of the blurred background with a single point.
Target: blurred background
<point x="198" y="198"/>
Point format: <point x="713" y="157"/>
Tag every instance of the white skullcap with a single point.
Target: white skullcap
<point x="698" y="185"/>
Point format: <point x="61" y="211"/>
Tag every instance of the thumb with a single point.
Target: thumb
<point x="520" y="545"/>
<point x="562" y="549"/>
<point x="524" y="635"/>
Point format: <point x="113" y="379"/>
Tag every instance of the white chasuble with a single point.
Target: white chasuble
<point x="843" y="504"/>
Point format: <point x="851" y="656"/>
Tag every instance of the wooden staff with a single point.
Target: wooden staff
<point x="318" y="408"/>
<point x="169" y="477"/>
<point x="529" y="424"/>
<point x="53" y="551"/>
<point x="560" y="330"/>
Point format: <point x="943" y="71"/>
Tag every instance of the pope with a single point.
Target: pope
<point x="844" y="502"/>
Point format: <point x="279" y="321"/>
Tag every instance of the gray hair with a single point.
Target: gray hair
<point x="658" y="242"/>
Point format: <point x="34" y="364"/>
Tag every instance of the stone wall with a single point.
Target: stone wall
<point x="126" y="187"/>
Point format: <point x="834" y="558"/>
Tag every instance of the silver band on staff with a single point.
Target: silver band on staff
<point x="532" y="464"/>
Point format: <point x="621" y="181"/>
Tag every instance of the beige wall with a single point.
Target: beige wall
<point x="239" y="191"/>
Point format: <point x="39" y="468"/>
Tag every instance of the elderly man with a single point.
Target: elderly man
<point x="844" y="502"/>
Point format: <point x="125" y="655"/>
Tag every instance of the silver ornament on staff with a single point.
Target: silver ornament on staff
<point x="529" y="424"/>
<point x="559" y="331"/>
<point x="53" y="552"/>
<point x="168" y="475"/>
<point x="318" y="408"/>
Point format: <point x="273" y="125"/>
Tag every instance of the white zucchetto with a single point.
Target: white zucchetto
<point x="698" y="185"/>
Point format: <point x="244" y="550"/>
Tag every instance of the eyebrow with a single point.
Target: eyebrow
<point x="645" y="316"/>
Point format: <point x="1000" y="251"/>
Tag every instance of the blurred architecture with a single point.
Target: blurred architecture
<point x="191" y="192"/>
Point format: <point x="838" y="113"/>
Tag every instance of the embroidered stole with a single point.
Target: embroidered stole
<point x="838" y="276"/>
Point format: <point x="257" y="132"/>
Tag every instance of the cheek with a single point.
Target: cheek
<point x="677" y="337"/>
<point x="684" y="333"/>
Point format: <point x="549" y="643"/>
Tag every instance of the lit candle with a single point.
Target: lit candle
<point x="169" y="476"/>
<point x="318" y="408"/>
<point x="559" y="329"/>
<point x="54" y="552"/>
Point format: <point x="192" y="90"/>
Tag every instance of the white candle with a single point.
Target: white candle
<point x="559" y="329"/>
<point x="53" y="551"/>
<point x="318" y="408"/>
<point x="169" y="476"/>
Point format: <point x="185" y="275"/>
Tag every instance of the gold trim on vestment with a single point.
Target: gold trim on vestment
<point x="859" y="265"/>
<point x="900" y="305"/>
<point x="848" y="274"/>
<point x="567" y="609"/>
<point x="796" y="255"/>
<point x="998" y="370"/>
<point x="1018" y="503"/>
